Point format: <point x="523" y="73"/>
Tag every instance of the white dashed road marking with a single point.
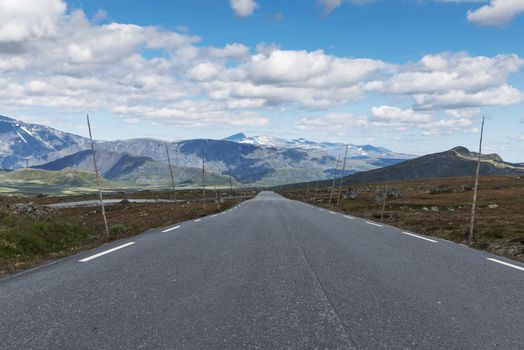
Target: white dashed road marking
<point x="506" y="264"/>
<point x="417" y="236"/>
<point x="372" y="223"/>
<point x="106" y="252"/>
<point x="171" y="229"/>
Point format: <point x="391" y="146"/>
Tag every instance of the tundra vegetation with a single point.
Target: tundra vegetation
<point x="31" y="233"/>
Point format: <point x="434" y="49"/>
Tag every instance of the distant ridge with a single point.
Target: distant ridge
<point x="456" y="162"/>
<point x="236" y="137"/>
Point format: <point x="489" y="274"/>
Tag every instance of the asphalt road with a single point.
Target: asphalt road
<point x="269" y="274"/>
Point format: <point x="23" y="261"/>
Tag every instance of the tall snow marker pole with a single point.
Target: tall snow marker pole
<point x="204" y="176"/>
<point x="171" y="172"/>
<point x="384" y="204"/>
<point x="471" y="235"/>
<point x="98" y="178"/>
<point x="342" y="177"/>
<point x="334" y="179"/>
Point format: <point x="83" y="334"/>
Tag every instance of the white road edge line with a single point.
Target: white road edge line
<point x="197" y="220"/>
<point x="171" y="229"/>
<point x="214" y="216"/>
<point x="417" y="236"/>
<point x="505" y="263"/>
<point x="372" y="223"/>
<point x="332" y="212"/>
<point x="349" y="217"/>
<point x="106" y="252"/>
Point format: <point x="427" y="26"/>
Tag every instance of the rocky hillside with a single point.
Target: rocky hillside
<point x="134" y="171"/>
<point x="458" y="161"/>
<point x="23" y="144"/>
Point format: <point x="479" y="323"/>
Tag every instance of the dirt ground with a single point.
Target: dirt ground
<point x="440" y="208"/>
<point x="133" y="218"/>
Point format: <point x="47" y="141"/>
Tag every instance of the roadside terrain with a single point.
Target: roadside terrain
<point x="31" y="233"/>
<point x="438" y="207"/>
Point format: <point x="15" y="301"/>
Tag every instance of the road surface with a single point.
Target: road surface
<point x="269" y="274"/>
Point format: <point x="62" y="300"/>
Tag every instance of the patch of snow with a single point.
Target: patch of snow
<point x="27" y="131"/>
<point x="21" y="136"/>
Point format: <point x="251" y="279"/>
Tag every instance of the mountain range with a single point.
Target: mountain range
<point x="256" y="160"/>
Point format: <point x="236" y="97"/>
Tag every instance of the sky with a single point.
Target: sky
<point x="415" y="76"/>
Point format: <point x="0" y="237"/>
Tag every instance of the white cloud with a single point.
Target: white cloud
<point x="457" y="99"/>
<point x="398" y="115"/>
<point x="230" y="51"/>
<point x="190" y="114"/>
<point x="77" y="65"/>
<point x="497" y="12"/>
<point x="29" y="19"/>
<point x="448" y="126"/>
<point x="332" y="122"/>
<point x="451" y="71"/>
<point x="329" y="5"/>
<point x="243" y="8"/>
<point x="454" y="81"/>
<point x="204" y="71"/>
<point x="386" y="118"/>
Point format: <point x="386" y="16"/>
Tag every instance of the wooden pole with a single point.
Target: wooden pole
<point x="316" y="191"/>
<point x="307" y="191"/>
<point x="384" y="204"/>
<point x="471" y="235"/>
<point x="204" y="176"/>
<point x="171" y="172"/>
<point x="334" y="179"/>
<point x="234" y="194"/>
<point x="98" y="178"/>
<point x="217" y="199"/>
<point x="342" y="177"/>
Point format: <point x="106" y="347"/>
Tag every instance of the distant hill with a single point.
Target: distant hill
<point x="458" y="161"/>
<point x="134" y="171"/>
<point x="23" y="144"/>
<point x="68" y="181"/>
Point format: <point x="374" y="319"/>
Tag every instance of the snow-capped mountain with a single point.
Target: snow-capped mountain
<point x="260" y="160"/>
<point x="334" y="149"/>
<point x="23" y="144"/>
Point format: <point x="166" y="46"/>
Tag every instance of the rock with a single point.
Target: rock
<point x="451" y="209"/>
<point x="441" y="189"/>
<point x="466" y="188"/>
<point x="425" y="209"/>
<point x="493" y="206"/>
<point x="392" y="193"/>
<point x="28" y="209"/>
<point x="435" y="208"/>
<point x="351" y="194"/>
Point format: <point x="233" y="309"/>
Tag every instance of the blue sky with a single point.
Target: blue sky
<point x="413" y="76"/>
